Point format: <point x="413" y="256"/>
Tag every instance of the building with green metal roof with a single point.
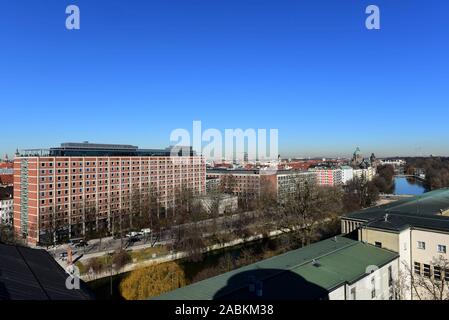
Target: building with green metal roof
<point x="336" y="268"/>
<point x="417" y="228"/>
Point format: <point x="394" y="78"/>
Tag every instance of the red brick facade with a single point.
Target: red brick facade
<point x="47" y="188"/>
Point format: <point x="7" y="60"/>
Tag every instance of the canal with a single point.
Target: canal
<point x="408" y="185"/>
<point x="103" y="289"/>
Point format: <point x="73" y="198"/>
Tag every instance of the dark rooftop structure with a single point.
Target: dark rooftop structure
<point x="31" y="274"/>
<point x="428" y="211"/>
<point x="86" y="149"/>
<point x="308" y="273"/>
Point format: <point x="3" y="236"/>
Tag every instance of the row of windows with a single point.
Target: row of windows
<point x="440" y="248"/>
<point x="184" y="162"/>
<point x="429" y="271"/>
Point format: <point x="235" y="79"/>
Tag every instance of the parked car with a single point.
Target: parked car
<point x="75" y="241"/>
<point x="82" y="243"/>
<point x="133" y="234"/>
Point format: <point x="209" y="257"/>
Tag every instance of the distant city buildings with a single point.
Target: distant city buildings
<point x="393" y="162"/>
<point x="6" y="205"/>
<point x="59" y="188"/>
<point x="327" y="172"/>
<point x="6" y="173"/>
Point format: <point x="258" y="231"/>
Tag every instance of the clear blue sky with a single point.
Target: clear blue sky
<point x="139" y="69"/>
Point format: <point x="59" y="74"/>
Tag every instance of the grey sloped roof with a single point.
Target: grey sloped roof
<point x="31" y="274"/>
<point x="422" y="211"/>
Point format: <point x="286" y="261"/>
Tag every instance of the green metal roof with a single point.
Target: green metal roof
<point x="307" y="273"/>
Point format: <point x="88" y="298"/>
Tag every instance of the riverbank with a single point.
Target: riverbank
<point x="173" y="256"/>
<point x="108" y="288"/>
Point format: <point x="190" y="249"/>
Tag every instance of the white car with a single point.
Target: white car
<point x="132" y="234"/>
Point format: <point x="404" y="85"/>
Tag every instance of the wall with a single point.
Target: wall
<point x="389" y="240"/>
<point x="363" y="287"/>
<point x="383" y="290"/>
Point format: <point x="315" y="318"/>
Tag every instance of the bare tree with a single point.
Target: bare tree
<point x="433" y="282"/>
<point x="306" y="208"/>
<point x="228" y="184"/>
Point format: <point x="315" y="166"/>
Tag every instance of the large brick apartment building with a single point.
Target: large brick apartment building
<point x="56" y="187"/>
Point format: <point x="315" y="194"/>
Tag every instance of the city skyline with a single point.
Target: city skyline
<point x="134" y="73"/>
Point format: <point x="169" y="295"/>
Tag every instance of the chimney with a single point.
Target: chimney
<point x="386" y="217"/>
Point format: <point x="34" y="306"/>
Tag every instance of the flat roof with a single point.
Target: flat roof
<point x="310" y="272"/>
<point x="85" y="149"/>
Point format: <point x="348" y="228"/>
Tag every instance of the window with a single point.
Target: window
<point x="378" y="244"/>
<point x="421" y="245"/>
<point x="441" y="248"/>
<point x="426" y="269"/>
<point x="437" y="273"/>
<point x="353" y="294"/>
<point x="417" y="268"/>
<point x="373" y="288"/>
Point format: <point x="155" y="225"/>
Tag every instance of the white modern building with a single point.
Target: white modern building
<point x="347" y="174"/>
<point x="393" y="162"/>
<point x="367" y="174"/>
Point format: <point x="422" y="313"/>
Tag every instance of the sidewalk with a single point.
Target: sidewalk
<point x="177" y="255"/>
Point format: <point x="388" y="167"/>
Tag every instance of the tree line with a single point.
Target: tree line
<point x="436" y="170"/>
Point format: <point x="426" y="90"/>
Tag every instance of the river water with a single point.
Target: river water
<point x="408" y="185"/>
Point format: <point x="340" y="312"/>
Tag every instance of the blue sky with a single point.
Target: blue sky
<point x="139" y="69"/>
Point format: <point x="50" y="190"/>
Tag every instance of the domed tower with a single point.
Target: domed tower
<point x="373" y="159"/>
<point x="357" y="157"/>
